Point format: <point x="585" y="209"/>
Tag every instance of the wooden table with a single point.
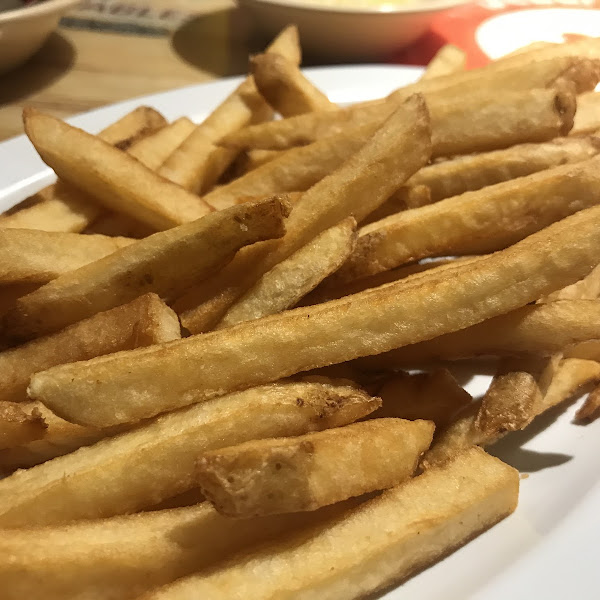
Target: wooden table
<point x="78" y="69"/>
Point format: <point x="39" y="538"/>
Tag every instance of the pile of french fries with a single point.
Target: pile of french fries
<point x="210" y="331"/>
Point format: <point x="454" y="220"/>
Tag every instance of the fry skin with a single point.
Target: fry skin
<point x="378" y="544"/>
<point x="115" y="476"/>
<point x="166" y="263"/>
<point x="142" y="322"/>
<point x="114" y="179"/>
<point x="280" y="345"/>
<point x="447" y="60"/>
<point x="30" y="256"/>
<point x="304" y="473"/>
<point x="590" y="409"/>
<point x="133" y="127"/>
<point x="475" y="222"/>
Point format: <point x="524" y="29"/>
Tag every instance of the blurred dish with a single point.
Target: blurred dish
<point x="24" y="30"/>
<point x="350" y="29"/>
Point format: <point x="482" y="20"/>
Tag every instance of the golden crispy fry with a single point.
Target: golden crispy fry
<point x="283" y="475"/>
<point x="132" y="127"/>
<point x="19" y="427"/>
<point x="122" y="557"/>
<point x="449" y="93"/>
<point x="115" y="476"/>
<point x="60" y="438"/>
<point x="166" y="263"/>
<point x="296" y="169"/>
<point x="111" y="177"/>
<point x="306" y="338"/>
<point x="481" y="125"/>
<point x="541" y="329"/>
<point x="406" y="197"/>
<point x="154" y="149"/>
<point x="285" y="88"/>
<point x="434" y="396"/>
<point x="469" y="173"/>
<point x="377" y="544"/>
<point x="511" y="402"/>
<point x="590" y="409"/>
<point x="448" y="59"/>
<point x="143" y="322"/>
<point x="587" y="288"/>
<point x="290" y="280"/>
<point x="475" y="222"/>
<point x="30" y="256"/>
<point x="61" y="208"/>
<point x="247" y="161"/>
<point x="9" y="294"/>
<point x="356" y="188"/>
<point x="587" y="117"/>
<point x="197" y="163"/>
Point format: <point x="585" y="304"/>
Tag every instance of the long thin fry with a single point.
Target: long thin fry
<point x="475" y="222"/>
<point x="362" y="183"/>
<point x="377" y="544"/>
<point x="60" y="208"/>
<point x="166" y="263"/>
<point x="111" y="177"/>
<point x="17" y="426"/>
<point x="590" y="409"/>
<point x="469" y="173"/>
<point x="290" y="280"/>
<point x="537" y="329"/>
<point x="284" y="86"/>
<point x="27" y="255"/>
<point x="304" y="473"/>
<point x="280" y="345"/>
<point x="449" y="59"/>
<point x="122" y="557"/>
<point x="115" y="476"/>
<point x="143" y="322"/>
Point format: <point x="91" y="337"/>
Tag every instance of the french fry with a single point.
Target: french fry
<point x="469" y="173"/>
<point x="119" y="225"/>
<point x="247" y="161"/>
<point x="285" y="88"/>
<point x="587" y="117"/>
<point x="166" y="263"/>
<point x="197" y="163"/>
<point x="277" y="346"/>
<point x="122" y="557"/>
<point x="290" y="280"/>
<point x="17" y="426"/>
<point x="475" y="222"/>
<point x="133" y="127"/>
<point x="587" y="288"/>
<point x="115" y="477"/>
<point x="154" y="149"/>
<point x="30" y="256"/>
<point x="587" y="48"/>
<point x="445" y="95"/>
<point x="60" y="438"/>
<point x="9" y="294"/>
<point x="60" y="208"/>
<point x="362" y="183"/>
<point x="296" y="169"/>
<point x="404" y="198"/>
<point x="435" y="396"/>
<point x="114" y="179"/>
<point x="478" y="125"/>
<point x="143" y="322"/>
<point x="447" y="60"/>
<point x="541" y="329"/>
<point x="304" y="473"/>
<point x="590" y="409"/>
<point x="513" y="399"/>
<point x="382" y="542"/>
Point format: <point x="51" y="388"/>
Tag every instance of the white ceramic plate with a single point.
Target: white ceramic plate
<point x="549" y="547"/>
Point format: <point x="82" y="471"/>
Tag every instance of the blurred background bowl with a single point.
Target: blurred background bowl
<point x="349" y="30"/>
<point x="24" y="30"/>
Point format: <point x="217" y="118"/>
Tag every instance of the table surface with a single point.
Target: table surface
<point x="80" y="68"/>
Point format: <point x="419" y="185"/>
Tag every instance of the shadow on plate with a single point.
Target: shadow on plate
<point x="50" y="62"/>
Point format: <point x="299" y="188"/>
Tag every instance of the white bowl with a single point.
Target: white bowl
<point x="349" y="31"/>
<point x="24" y="30"/>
